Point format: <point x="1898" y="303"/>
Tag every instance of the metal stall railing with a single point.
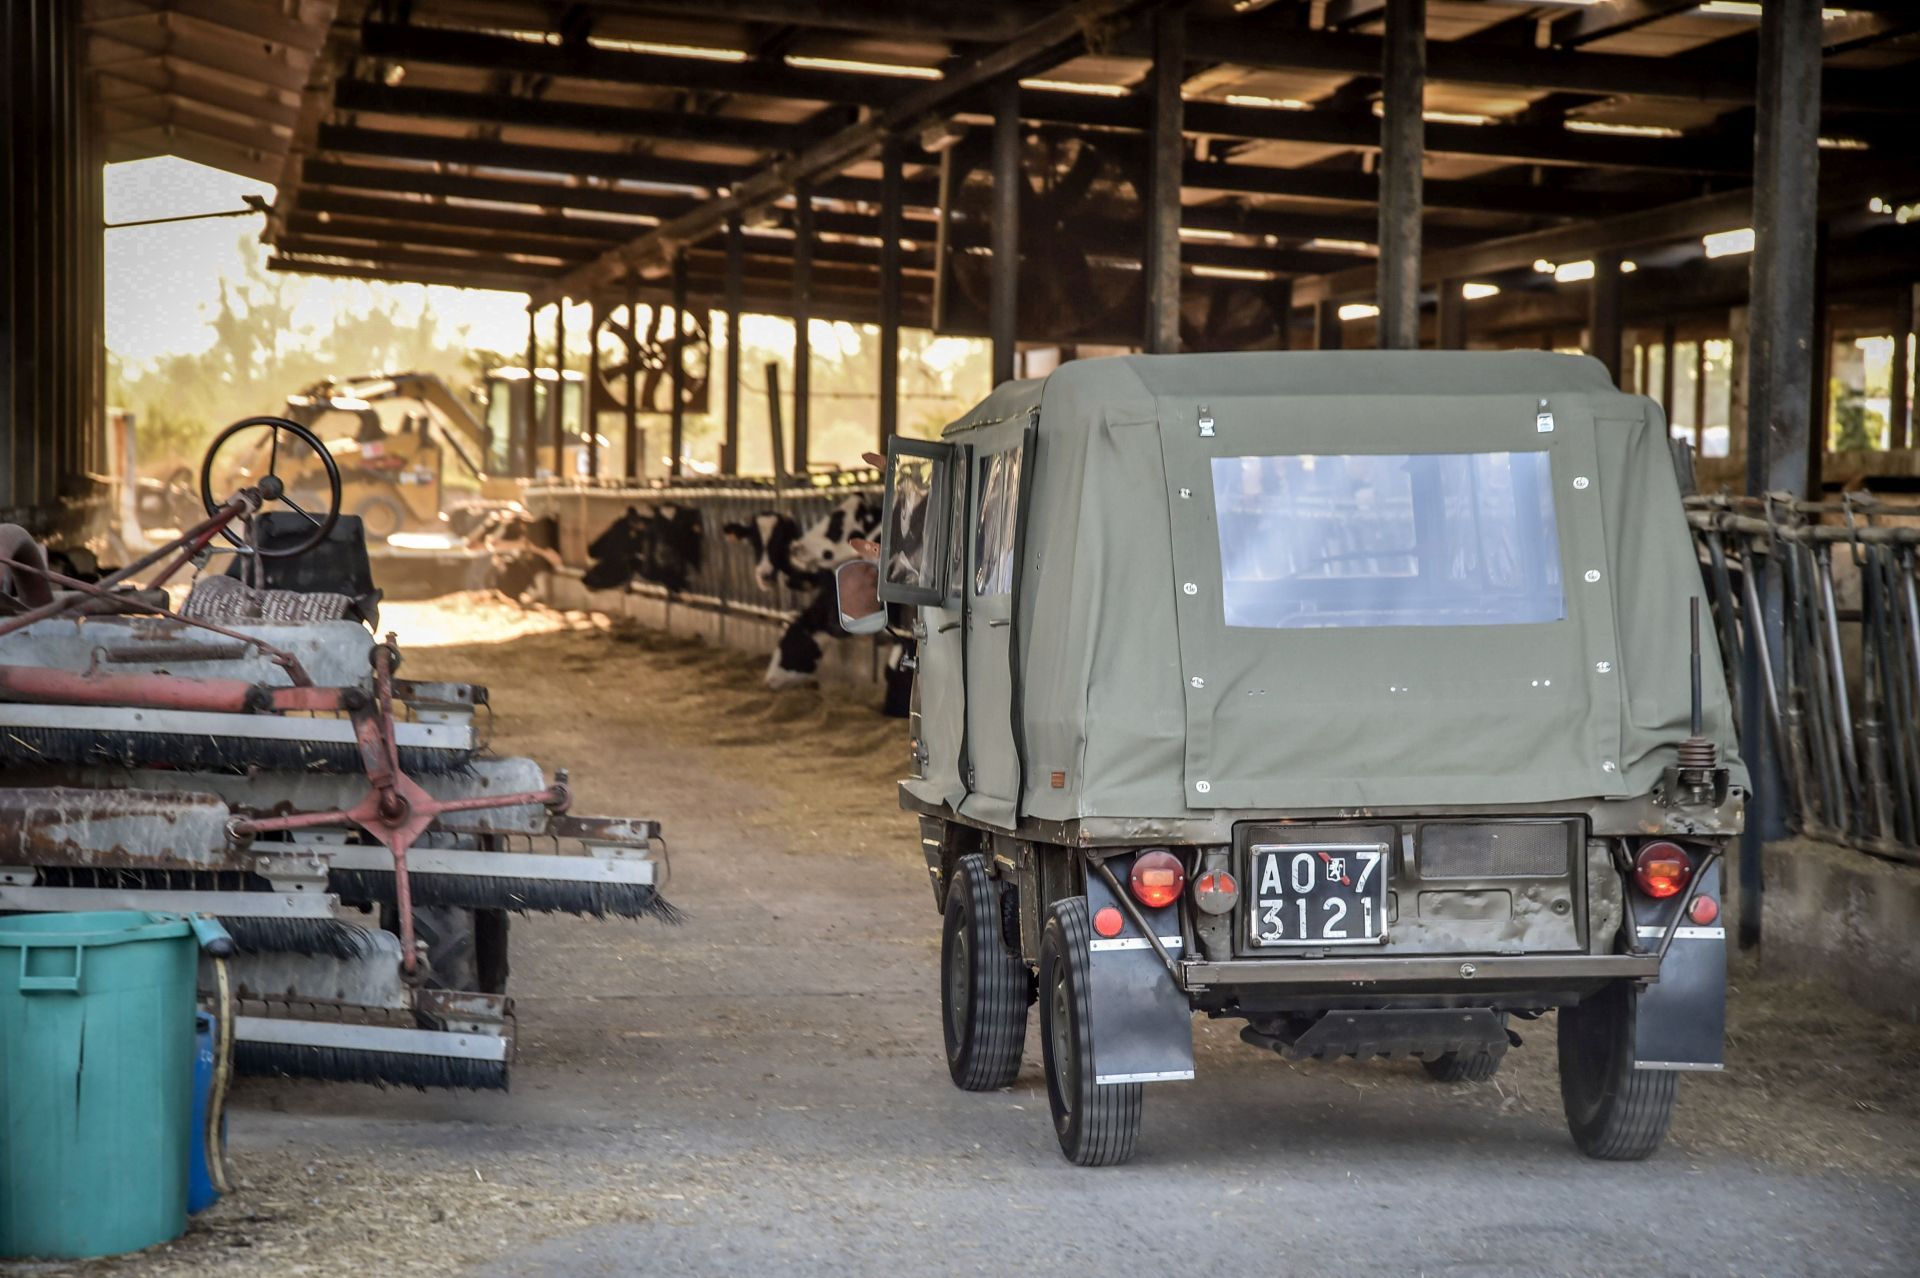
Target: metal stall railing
<point x="1842" y="676"/>
<point x="724" y="580"/>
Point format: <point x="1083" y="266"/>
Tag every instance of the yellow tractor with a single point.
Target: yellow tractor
<point x="412" y="457"/>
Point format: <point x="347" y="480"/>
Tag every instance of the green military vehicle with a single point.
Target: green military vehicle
<point x="1348" y="694"/>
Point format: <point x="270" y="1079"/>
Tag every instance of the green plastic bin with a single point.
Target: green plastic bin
<point x="96" y="1081"/>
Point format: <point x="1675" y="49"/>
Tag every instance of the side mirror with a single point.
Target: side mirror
<point x="856" y="587"/>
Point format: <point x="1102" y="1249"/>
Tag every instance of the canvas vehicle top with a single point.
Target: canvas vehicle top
<point x="1178" y="590"/>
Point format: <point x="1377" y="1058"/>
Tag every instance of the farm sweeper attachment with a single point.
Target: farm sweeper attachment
<point x="254" y="756"/>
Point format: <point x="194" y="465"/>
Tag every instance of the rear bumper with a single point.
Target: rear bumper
<point x="1452" y="973"/>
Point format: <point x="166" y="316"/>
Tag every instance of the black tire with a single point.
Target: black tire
<point x="1615" y="1112"/>
<point x="1097" y="1126"/>
<point x="381" y="517"/>
<point x="1465" y="1067"/>
<point x="983" y="984"/>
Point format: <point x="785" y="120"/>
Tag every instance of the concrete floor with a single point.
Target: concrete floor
<point x="762" y="1090"/>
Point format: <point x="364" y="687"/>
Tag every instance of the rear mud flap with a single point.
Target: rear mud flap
<point x="1681" y="1018"/>
<point x="1142" y="1024"/>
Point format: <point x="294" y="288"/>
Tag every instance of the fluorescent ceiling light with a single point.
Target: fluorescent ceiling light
<point x="1359" y="310"/>
<point x="1440" y="117"/>
<point x="1270" y="104"/>
<point x="1842" y="144"/>
<point x="1079" y="86"/>
<point x="1728" y="243"/>
<point x="1344" y="246"/>
<point x="857" y="67"/>
<point x="1203" y="233"/>
<point x="1621" y="130"/>
<point x="1474" y="292"/>
<point x="1750" y="9"/>
<point x="704" y="53"/>
<point x="1232" y="273"/>
<point x="1629" y="266"/>
<point x="1573" y="272"/>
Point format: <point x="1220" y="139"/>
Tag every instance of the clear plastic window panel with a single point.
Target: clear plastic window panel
<point x="1388" y="539"/>
<point x="909" y="562"/>
<point x="999" y="508"/>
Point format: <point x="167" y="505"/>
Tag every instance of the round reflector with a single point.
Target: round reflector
<point x="1158" y="878"/>
<point x="1215" y="892"/>
<point x="1662" y="869"/>
<point x="1108" y="921"/>
<point x="1704" y="910"/>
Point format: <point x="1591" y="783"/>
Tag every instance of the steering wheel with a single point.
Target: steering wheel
<point x="271" y="487"/>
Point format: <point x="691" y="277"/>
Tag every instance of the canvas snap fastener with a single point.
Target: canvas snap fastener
<point x="1593" y="575"/>
<point x="1602" y="667"/>
<point x="1203" y="787"/>
<point x="1189" y="588"/>
<point x="1580" y="481"/>
<point x="1197" y="682"/>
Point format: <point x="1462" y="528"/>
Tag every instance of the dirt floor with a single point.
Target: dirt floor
<point x="762" y="1088"/>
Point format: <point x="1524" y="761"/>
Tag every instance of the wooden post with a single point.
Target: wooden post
<point x="1899" y="434"/>
<point x="730" y="441"/>
<point x="802" y="319"/>
<point x="1003" y="307"/>
<point x="1603" y="313"/>
<point x="1402" y="147"/>
<point x="677" y="369"/>
<point x="890" y="214"/>
<point x="1453" y="316"/>
<point x="1167" y="152"/>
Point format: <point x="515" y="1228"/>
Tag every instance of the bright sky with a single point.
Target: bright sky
<point x="163" y="282"/>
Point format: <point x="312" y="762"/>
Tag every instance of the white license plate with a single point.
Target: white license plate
<point x="1318" y="893"/>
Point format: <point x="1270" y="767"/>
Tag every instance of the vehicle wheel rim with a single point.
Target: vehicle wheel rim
<point x="1064" y="1064"/>
<point x="959" y="984"/>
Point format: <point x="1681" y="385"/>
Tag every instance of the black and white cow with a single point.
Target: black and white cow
<point x="806" y="559"/>
<point x="771" y="536"/>
<point x="663" y="545"/>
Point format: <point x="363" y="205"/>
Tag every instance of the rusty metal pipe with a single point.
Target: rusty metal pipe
<point x="165" y="692"/>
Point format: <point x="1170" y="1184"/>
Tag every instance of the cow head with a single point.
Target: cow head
<point x="771" y="536"/>
<point x="828" y="542"/>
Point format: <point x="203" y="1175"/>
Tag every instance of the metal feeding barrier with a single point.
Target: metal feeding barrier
<point x="1840" y="673"/>
<point x="724" y="579"/>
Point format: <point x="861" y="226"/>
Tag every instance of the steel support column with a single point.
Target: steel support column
<point x="1281" y="298"/>
<point x="1326" y="326"/>
<point x="1167" y="152"/>
<point x="1402" y="146"/>
<point x="677" y="370"/>
<point x="890" y="214"/>
<point x="1781" y="327"/>
<point x="557" y="399"/>
<point x="1603" y="313"/>
<point x="1899" y="434"/>
<point x="589" y="420"/>
<point x="1453" y="316"/>
<point x="1666" y="371"/>
<point x="1003" y="307"/>
<point x="524" y="425"/>
<point x="635" y="466"/>
<point x="730" y="441"/>
<point x="802" y="319"/>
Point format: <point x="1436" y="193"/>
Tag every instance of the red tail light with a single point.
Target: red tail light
<point x="1662" y="870"/>
<point x="1158" y="878"/>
